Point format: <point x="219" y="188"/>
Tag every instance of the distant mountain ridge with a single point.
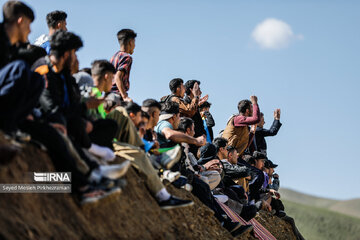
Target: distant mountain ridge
<point x="347" y="207"/>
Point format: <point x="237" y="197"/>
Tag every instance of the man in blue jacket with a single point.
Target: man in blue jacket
<point x="261" y="132"/>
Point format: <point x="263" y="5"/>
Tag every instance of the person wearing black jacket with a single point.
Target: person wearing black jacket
<point x="209" y="120"/>
<point x="261" y="133"/>
<point x="20" y="88"/>
<point x="231" y="166"/>
<point x="198" y="122"/>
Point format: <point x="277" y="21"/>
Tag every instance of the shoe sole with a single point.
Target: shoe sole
<point x="174" y="160"/>
<point x="121" y="172"/>
<point x="106" y="198"/>
<point x="249" y="229"/>
<point x="177" y="206"/>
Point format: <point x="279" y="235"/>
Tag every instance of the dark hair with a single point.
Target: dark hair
<point x="54" y="17"/>
<point x="243" y="105"/>
<point x="87" y="70"/>
<point x="175" y="83"/>
<point x="12" y="10"/>
<point x="261" y="114"/>
<point x="189" y="85"/>
<point x="184" y="124"/>
<point x="259" y="155"/>
<point x="170" y="107"/>
<point x="251" y="161"/>
<point x="220" y="142"/>
<point x="205" y="105"/>
<point x="145" y="115"/>
<point x="132" y="107"/>
<point x="230" y="149"/>
<point x="31" y="53"/>
<point x="149" y="103"/>
<point x="125" y="35"/>
<point x="62" y="41"/>
<point x="101" y="67"/>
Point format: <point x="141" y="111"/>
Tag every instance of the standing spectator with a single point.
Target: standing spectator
<point x="261" y="133"/>
<point x="208" y="120"/>
<point x="56" y="20"/>
<point x="237" y="130"/>
<point x="122" y="62"/>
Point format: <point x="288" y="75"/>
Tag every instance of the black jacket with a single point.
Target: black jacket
<point x="52" y="103"/>
<point x="235" y="170"/>
<point x="261" y="133"/>
<point x="210" y="123"/>
<point x="198" y="122"/>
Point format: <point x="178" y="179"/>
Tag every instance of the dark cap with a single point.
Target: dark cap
<point x="259" y="155"/>
<point x="270" y="164"/>
<point x="207" y="152"/>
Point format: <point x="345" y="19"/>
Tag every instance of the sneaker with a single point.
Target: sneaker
<point x="248" y="212"/>
<point x="104" y="153"/>
<point x="170" y="176"/>
<point x="242" y="230"/>
<point x="280" y="214"/>
<point x="181" y="181"/>
<point x="93" y="195"/>
<point x="114" y="171"/>
<point x="231" y="226"/>
<point x="187" y="187"/>
<point x="174" y="202"/>
<point x="169" y="158"/>
<point x="22" y="136"/>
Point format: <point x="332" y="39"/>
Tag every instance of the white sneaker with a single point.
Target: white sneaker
<point x="114" y="171"/>
<point x="104" y="153"/>
<point x="170" y="176"/>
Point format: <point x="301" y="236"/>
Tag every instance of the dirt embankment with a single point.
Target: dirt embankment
<point x="133" y="215"/>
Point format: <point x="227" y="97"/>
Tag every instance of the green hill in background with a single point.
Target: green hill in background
<point x="316" y="223"/>
<point x="347" y="207"/>
<point x="321" y="218"/>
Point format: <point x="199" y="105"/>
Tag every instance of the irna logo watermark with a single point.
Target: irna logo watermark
<point x="52" y="176"/>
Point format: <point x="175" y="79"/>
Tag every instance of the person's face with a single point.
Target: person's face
<point x="262" y="121"/>
<point x="108" y="81"/>
<point x="131" y="46"/>
<point x="70" y="59"/>
<point x="266" y="170"/>
<point x="249" y="111"/>
<point x="191" y="130"/>
<point x="145" y="121"/>
<point x="271" y="171"/>
<point x="155" y="117"/>
<point x="136" y="118"/>
<point x="233" y="156"/>
<point x="182" y="90"/>
<point x="62" y="25"/>
<point x="176" y="121"/>
<point x="223" y="152"/>
<point x="259" y="164"/>
<point x="24" y="28"/>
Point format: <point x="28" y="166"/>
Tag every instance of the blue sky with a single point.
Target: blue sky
<point x="315" y="80"/>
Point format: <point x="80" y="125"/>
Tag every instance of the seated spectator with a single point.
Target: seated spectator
<point x="152" y="108"/>
<point x="168" y="123"/>
<point x="208" y="120"/>
<point x="20" y="88"/>
<point x="261" y="133"/>
<point x="56" y="20"/>
<point x="237" y="129"/>
<point x="274" y="182"/>
<point x="122" y="62"/>
<point x="231" y="167"/>
<point x="211" y="177"/>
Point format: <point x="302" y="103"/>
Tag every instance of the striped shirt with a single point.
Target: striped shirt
<point x="122" y="62"/>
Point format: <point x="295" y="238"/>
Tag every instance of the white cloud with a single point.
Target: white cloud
<point x="274" y="34"/>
